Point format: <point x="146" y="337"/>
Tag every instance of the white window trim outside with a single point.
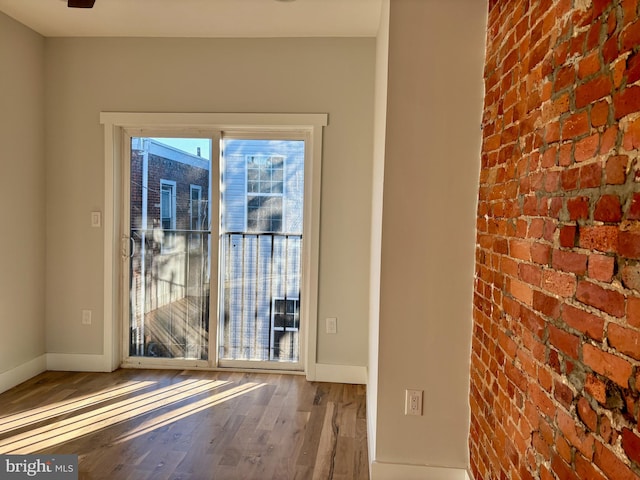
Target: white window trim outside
<point x="116" y="245"/>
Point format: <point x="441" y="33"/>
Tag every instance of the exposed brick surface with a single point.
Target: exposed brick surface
<point x="555" y="364"/>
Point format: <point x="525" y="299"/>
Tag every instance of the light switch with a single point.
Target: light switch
<point x="96" y="219"/>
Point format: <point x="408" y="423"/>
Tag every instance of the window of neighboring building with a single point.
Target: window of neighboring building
<point x="265" y="191"/>
<point x="195" y="207"/>
<point x="167" y="214"/>
<point x="168" y="204"/>
<point x="284" y="329"/>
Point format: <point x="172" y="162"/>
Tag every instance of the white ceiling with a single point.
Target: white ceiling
<point x="199" y="18"/>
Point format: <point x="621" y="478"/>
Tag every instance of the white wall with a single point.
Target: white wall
<point x="431" y="168"/>
<point x="88" y="75"/>
<point x="379" y="130"/>
<point x="22" y="194"/>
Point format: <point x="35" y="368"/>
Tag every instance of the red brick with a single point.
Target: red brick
<point x="540" y="253"/>
<point x="555" y="206"/>
<point x="549" y="157"/>
<point x="600" y="114"/>
<point x="602" y="238"/>
<point x="629" y="9"/>
<point x="586" y="148"/>
<point x="563" y="394"/>
<point x="633" y="68"/>
<point x="569" y="262"/>
<point x="552" y="132"/>
<point x="589" y="65"/>
<point x="590" y="175"/>
<point x="633" y="311"/>
<point x="616" y="170"/>
<point x="552" y="181"/>
<point x="611" y="465"/>
<point x="583" y="321"/>
<point x="565" y="451"/>
<point x="608" y="209"/>
<point x="611" y="366"/>
<point x="575" y="125"/>
<point x="610" y="301"/>
<point x="564" y="154"/>
<point x="546" y="304"/>
<point x="532" y="322"/>
<point x="631" y="36"/>
<point x="626" y="102"/>
<point x="610" y="49"/>
<point x="568" y="235"/>
<point x="565" y="76"/>
<point x="521" y="291"/>
<point x="631" y="138"/>
<point x="593" y="90"/>
<point x="601" y="267"/>
<point x="605" y="429"/>
<point x="618" y="70"/>
<point x="569" y="178"/>
<point x="558" y="283"/>
<point x="631" y="445"/>
<point x="520" y="249"/>
<point x="629" y="242"/>
<point x="624" y="340"/>
<point x="531" y="274"/>
<point x="578" y="208"/>
<point x="564" y="342"/>
<point x="634" y="209"/>
<point x="536" y="228"/>
<point x="609" y="140"/>
<point x="587" y="414"/>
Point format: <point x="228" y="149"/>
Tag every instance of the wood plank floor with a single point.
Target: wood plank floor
<point x="190" y="425"/>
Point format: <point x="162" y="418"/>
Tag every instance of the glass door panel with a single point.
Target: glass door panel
<point x="169" y="232"/>
<point x="262" y="193"/>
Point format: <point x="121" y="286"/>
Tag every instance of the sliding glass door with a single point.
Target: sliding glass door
<point x="214" y="230"/>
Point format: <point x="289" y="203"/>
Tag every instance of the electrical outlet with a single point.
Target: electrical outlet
<point x="413" y="402"/>
<point x="86" y="317"/>
<point x="332" y="325"/>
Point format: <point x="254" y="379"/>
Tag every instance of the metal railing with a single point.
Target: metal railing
<point x="260" y="272"/>
<point x="259" y="288"/>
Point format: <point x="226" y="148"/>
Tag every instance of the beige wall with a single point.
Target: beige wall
<point x="86" y="76"/>
<point x="431" y="166"/>
<point x="22" y="194"/>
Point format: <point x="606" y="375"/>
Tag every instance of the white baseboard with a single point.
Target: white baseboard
<point x="325" y="372"/>
<point x="76" y="362"/>
<point x="21" y="373"/>
<point x="393" y="471"/>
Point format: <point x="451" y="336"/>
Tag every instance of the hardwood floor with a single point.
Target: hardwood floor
<point x="190" y="425"/>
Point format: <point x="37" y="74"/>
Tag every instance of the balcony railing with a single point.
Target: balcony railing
<point x="259" y="291"/>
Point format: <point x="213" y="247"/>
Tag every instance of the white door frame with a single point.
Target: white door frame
<point x="115" y="248"/>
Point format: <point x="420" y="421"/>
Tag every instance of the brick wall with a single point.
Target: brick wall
<point x="555" y="366"/>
